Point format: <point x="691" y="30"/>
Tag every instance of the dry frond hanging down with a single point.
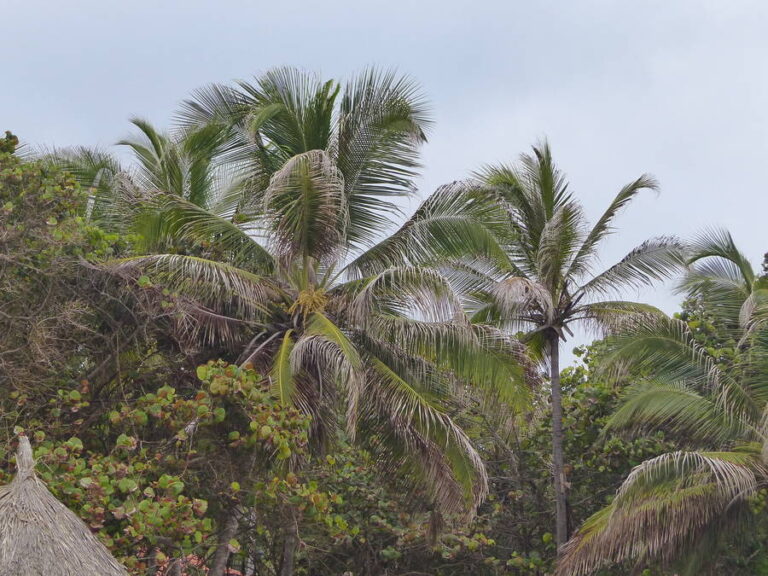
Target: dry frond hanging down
<point x="39" y="536"/>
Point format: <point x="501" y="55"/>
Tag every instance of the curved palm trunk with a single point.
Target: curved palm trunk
<point x="561" y="507"/>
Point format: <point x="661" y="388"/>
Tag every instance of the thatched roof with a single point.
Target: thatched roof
<point x="39" y="536"/>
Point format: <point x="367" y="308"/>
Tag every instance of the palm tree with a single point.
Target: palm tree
<point x="185" y="165"/>
<point x="293" y="275"/>
<point x="681" y="501"/>
<point x="549" y="285"/>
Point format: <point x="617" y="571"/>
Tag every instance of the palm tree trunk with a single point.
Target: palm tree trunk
<point x="227" y="532"/>
<point x="290" y="542"/>
<point x="558" y="471"/>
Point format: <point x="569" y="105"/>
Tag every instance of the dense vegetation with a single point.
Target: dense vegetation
<point x="233" y="356"/>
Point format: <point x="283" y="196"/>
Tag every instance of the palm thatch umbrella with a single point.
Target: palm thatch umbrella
<point x="40" y="536"/>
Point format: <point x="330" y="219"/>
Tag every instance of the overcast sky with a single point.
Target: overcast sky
<point x="675" y="88"/>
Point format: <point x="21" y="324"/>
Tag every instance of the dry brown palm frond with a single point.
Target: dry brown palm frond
<point x="517" y="295"/>
<point x="39" y="536"/>
<point x="662" y="507"/>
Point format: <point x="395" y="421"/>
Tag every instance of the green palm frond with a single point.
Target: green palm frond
<point x="538" y="172"/>
<point x="583" y="258"/>
<point x="321" y="325"/>
<point x="182" y="220"/>
<point x="650" y="406"/>
<point x="654" y="260"/>
<point x="718" y="243"/>
<point x="183" y="165"/>
<point x="558" y="240"/>
<point x="479" y="355"/>
<point x="281" y="377"/>
<point x="720" y="276"/>
<point x="304" y="120"/>
<point x="326" y="345"/>
<point x="158" y="157"/>
<point x="458" y="221"/>
<point x="97" y="171"/>
<point x="382" y="122"/>
<point x="667" y="349"/>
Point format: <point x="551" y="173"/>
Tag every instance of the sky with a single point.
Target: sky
<point x="675" y="88"/>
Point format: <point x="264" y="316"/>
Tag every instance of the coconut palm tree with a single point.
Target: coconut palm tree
<point x="681" y="501"/>
<point x="299" y="276"/>
<point x="550" y="284"/>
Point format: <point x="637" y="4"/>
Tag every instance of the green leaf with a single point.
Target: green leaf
<point x="281" y="374"/>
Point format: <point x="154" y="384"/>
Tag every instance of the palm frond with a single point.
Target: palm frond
<point x="548" y="224"/>
<point x="431" y="442"/>
<point x="281" y="377"/>
<point x="475" y="354"/>
<point x="159" y="158"/>
<point x="649" y="406"/>
<point x="305" y="204"/>
<point x="234" y="291"/>
<point x="415" y="291"/>
<point x="603" y="227"/>
<point x="182" y="220"/>
<point x="382" y="122"/>
<point x="96" y="170"/>
<point x="325" y="344"/>
<point x="661" y="506"/>
<point x="558" y="240"/>
<point x="613" y="316"/>
<point x="667" y="349"/>
<point x="654" y="260"/>
<point x="718" y="243"/>
<point x="459" y="221"/>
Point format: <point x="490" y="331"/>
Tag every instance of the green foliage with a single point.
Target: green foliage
<point x="9" y="143"/>
<point x="153" y="472"/>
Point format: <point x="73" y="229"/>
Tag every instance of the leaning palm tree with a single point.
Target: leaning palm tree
<point x="680" y="502"/>
<point x="298" y="277"/>
<point x="549" y="285"/>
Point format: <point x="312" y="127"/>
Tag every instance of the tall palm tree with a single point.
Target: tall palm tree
<point x="549" y="284"/>
<point x="299" y="275"/>
<point x="680" y="502"/>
